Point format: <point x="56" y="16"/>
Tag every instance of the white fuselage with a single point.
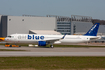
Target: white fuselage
<point x="34" y="38"/>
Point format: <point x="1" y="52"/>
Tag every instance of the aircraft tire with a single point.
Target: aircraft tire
<point x="52" y="46"/>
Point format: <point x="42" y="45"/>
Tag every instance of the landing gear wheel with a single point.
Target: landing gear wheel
<point x="52" y="46"/>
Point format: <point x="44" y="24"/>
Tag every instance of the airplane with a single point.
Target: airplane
<point x="43" y="40"/>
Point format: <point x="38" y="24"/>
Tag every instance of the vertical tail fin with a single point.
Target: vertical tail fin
<point x="93" y="31"/>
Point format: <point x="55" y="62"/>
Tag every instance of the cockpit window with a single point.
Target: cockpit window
<point x="9" y="36"/>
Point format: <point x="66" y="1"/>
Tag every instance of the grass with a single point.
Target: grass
<point x="48" y="63"/>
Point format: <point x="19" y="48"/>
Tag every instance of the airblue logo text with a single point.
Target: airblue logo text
<point x="92" y="29"/>
<point x="35" y="37"/>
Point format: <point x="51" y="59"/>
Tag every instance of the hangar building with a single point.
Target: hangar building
<point x="75" y="24"/>
<point x="24" y="24"/>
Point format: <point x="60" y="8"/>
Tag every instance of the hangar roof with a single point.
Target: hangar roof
<point x="50" y="32"/>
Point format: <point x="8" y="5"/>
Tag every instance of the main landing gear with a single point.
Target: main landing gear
<point x="51" y="46"/>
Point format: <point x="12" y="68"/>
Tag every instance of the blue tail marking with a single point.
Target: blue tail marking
<point x="93" y="31"/>
<point x="63" y="36"/>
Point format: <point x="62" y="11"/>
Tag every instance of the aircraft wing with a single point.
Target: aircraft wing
<point x="53" y="40"/>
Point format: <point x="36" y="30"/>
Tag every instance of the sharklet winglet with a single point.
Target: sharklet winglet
<point x="63" y="36"/>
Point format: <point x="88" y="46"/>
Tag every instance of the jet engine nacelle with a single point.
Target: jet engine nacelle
<point x="42" y="43"/>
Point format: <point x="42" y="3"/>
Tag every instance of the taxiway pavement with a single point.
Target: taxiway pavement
<point x="72" y="51"/>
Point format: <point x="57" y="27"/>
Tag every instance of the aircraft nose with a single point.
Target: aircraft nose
<point x="2" y="38"/>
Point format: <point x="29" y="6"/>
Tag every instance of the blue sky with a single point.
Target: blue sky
<point x="93" y="8"/>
